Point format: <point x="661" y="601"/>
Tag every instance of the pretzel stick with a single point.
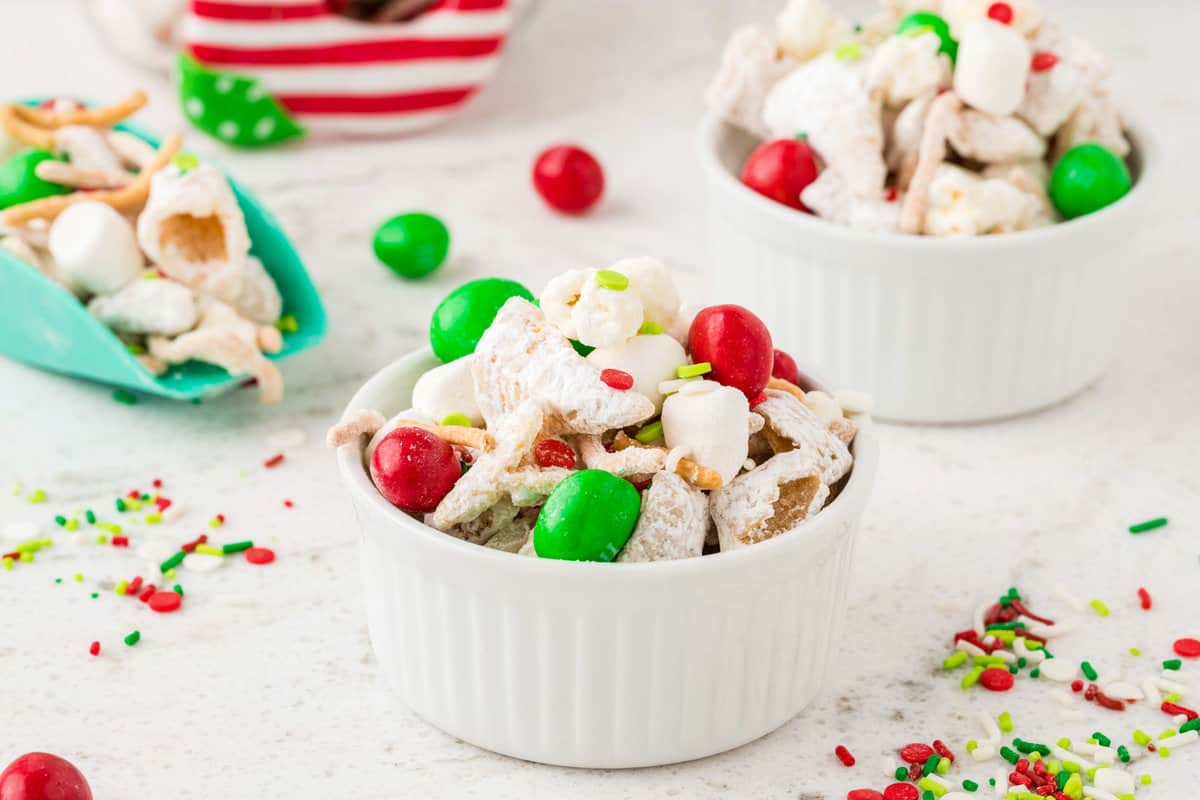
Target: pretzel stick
<point x="476" y="438"/>
<point x="786" y="386"/>
<point x="66" y="174"/>
<point x="699" y="476"/>
<point x="104" y="117"/>
<point x="126" y="199"/>
<point x="23" y="131"/>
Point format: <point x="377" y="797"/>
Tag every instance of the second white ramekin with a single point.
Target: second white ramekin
<point x="600" y="665"/>
<point x="935" y="330"/>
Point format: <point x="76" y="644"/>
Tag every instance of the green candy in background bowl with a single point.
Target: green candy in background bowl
<point x="45" y="326"/>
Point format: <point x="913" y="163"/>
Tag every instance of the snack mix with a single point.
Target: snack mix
<point x="934" y="117"/>
<point x="153" y="241"/>
<point x="603" y="422"/>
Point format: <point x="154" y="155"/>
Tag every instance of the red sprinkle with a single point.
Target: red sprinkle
<point x="273" y="461"/>
<point x="914" y="772"/>
<point x="617" y="379"/>
<point x="1152" y="747"/>
<point x="134" y="586"/>
<point x="162" y="503"/>
<point x="120" y="541"/>
<point x="156" y="483"/>
<point x="165" y="602"/>
<point x="1020" y="608"/>
<point x="1077" y="685"/>
<point x="14" y="555"/>
<point x="1043" y="61"/>
<point x="1091" y="692"/>
<point x="996" y="679"/>
<point x="221" y="519"/>
<point x="554" y="453"/>
<point x="867" y="794"/>
<point x="134" y="494"/>
<point x="147" y="593"/>
<point x="260" y="555"/>
<point x="1001" y="12"/>
<point x="943" y="750"/>
<point x="1173" y="709"/>
<point x="1188" y="648"/>
<point x="901" y="791"/>
<point x="288" y="504"/>
<point x="190" y="547"/>
<point x="916" y="753"/>
<point x="893" y="195"/>
<point x="1022" y="765"/>
<point x="1111" y="703"/>
<point x="1021" y="778"/>
<point x="844" y="755"/>
<point x="1144" y="596"/>
<point x="641" y="484"/>
<point x="94" y="649"/>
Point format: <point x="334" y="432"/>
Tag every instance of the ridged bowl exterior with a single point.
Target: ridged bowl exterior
<point x="935" y="330"/>
<point x="600" y="665"/>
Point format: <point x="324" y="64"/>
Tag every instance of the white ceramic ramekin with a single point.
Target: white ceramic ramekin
<point x="600" y="665"/>
<point x="936" y="330"/>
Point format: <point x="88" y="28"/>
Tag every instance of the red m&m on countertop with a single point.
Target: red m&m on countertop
<point x="568" y="178"/>
<point x="738" y="346"/>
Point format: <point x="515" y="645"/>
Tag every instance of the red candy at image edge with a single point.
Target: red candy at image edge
<point x="781" y="170"/>
<point x="864" y="794"/>
<point x="43" y="776"/>
<point x="1001" y="12"/>
<point x="996" y="679"/>
<point x="901" y="791"/>
<point x="414" y="469"/>
<point x="737" y="344"/>
<point x="1188" y="647"/>
<point x="568" y="178"/>
<point x="784" y="367"/>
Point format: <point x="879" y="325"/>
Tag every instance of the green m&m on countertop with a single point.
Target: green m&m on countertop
<point x="924" y="20"/>
<point x="1087" y="178"/>
<point x="412" y="245"/>
<point x="462" y="317"/>
<point x="19" y="182"/>
<point x="588" y="517"/>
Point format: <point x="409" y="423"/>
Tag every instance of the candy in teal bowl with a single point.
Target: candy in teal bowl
<point x="43" y="325"/>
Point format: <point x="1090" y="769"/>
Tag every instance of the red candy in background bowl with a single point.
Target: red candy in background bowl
<point x="257" y="72"/>
<point x="43" y="776"/>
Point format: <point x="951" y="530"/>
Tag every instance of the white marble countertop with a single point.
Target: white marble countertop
<point x="277" y="696"/>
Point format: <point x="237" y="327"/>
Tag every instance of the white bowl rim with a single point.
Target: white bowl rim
<point x="788" y="222"/>
<point x="848" y="505"/>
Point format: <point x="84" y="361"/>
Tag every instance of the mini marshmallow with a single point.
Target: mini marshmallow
<point x="963" y="204"/>
<point x="650" y="279"/>
<point x="906" y="67"/>
<point x="1031" y="179"/>
<point x="448" y="389"/>
<point x="259" y="299"/>
<point x="651" y="360"/>
<point x="95" y="248"/>
<point x="828" y="100"/>
<point x="709" y="421"/>
<point x="808" y="28"/>
<point x="831" y="198"/>
<point x="149" y="306"/>
<point x="193" y="229"/>
<point x="992" y="67"/>
<point x="959" y="14"/>
<point x="751" y="64"/>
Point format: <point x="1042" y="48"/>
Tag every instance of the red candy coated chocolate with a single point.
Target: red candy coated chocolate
<point x="42" y="776"/>
<point x="784" y="367"/>
<point x="1001" y="12"/>
<point x="737" y="344"/>
<point x="916" y="753"/>
<point x="780" y="170"/>
<point x="996" y="679"/>
<point x="568" y="178"/>
<point x="901" y="791"/>
<point x="414" y="469"/>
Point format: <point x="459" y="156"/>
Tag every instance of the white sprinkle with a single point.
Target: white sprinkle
<point x="1123" y="691"/>
<point x="1152" y="694"/>
<point x="1098" y="794"/>
<point x="264" y="127"/>
<point x="1112" y="779"/>
<point x="156" y="551"/>
<point x="889" y="766"/>
<point x="20" y="531"/>
<point x="1059" y="669"/>
<point x="287" y="439"/>
<point x="939" y="780"/>
<point x="1105" y="755"/>
<point x="202" y="562"/>
<point x="854" y="402"/>
<point x="1063" y="697"/>
<point x="984" y="752"/>
<point x="1005" y="656"/>
<point x="977" y="619"/>
<point x="1177" y="675"/>
<point x="1063" y="755"/>
<point x="1051" y="631"/>
<point x="194" y="107"/>
<point x="1001" y="782"/>
<point x="228" y="130"/>
<point x="1068" y="597"/>
<point x="1071" y="714"/>
<point x="1179" y="739"/>
<point x="1171" y="686"/>
<point x="969" y="648"/>
<point x="1107" y="678"/>
<point x="990" y="727"/>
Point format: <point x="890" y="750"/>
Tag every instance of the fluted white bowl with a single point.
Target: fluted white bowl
<point x="600" y="665"/>
<point x="936" y="330"/>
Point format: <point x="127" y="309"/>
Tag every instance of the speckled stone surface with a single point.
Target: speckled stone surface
<point x="265" y="686"/>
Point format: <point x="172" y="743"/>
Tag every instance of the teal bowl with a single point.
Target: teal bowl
<point x="43" y="325"/>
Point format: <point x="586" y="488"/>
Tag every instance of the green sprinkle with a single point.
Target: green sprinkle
<point x="287" y="324"/>
<point x="1134" y="651"/>
<point x="58" y="580"/>
<point x="1173" y="697"/>
<point x="1123" y="753"/>
<point x="972" y="677"/>
<point x="848" y="52"/>
<point x="133" y="638"/>
<point x="177" y="589"/>
<point x="133" y="347"/>
<point x="1022" y="661"/>
<point x="1141" y="737"/>
<point x="802" y="136"/>
<point x="1146" y="780"/>
<point x="930" y="764"/>
<point x="208" y="550"/>
<point x="121" y="505"/>
<point x="457" y="420"/>
<point x="1169" y="732"/>
<point x="611" y="279"/>
<point x="1061" y="780"/>
<point x="236" y="547"/>
<point x="120" y="589"/>
<point x="1008" y="637"/>
<point x="1005" y="626"/>
<point x="1009" y="755"/>
<point x="111" y="527"/>
<point x="928" y="795"/>
<point x="1074" y="785"/>
<point x="1099" y="608"/>
<point x="148" y="275"/>
<point x="1101" y="739"/>
<point x="901" y="774"/>
<point x="172" y="562"/>
<point x="79" y="577"/>
<point x="8" y="562"/>
<point x="170" y="574"/>
<point x="1071" y="766"/>
<point x="38" y="496"/>
<point x="1190" y="725"/>
<point x="1148" y="525"/>
<point x="215" y="522"/>
<point x="101" y="539"/>
<point x="124" y="397"/>
<point x="650" y="328"/>
<point x="651" y="433"/>
<point x="972" y="745"/>
<point x="931" y="787"/>
<point x="153" y="518"/>
<point x="693" y="370"/>
<point x="95" y="595"/>
<point x="185" y="161"/>
<point x="970" y="785"/>
<point x="943" y="766"/>
<point x="61" y="521"/>
<point x="90" y="516"/>
<point x="1088" y="670"/>
<point x="1035" y="673"/>
<point x="1053" y="767"/>
<point x="1164" y="752"/>
<point x="989" y="661"/>
<point x="1014" y="669"/>
<point x="1006" y="722"/>
<point x="72" y="524"/>
<point x="956" y="660"/>
<point x="1173" y="663"/>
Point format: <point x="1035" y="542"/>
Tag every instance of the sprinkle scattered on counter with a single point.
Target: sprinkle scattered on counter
<point x="1148" y="525"/>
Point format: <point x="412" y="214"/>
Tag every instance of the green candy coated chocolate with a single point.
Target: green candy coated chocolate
<point x="925" y="19"/>
<point x="1087" y="178"/>
<point x="20" y="184"/>
<point x="460" y="320"/>
<point x="412" y="245"/>
<point x="588" y="517"/>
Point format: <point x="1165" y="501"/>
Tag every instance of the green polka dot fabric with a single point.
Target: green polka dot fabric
<point x="232" y="108"/>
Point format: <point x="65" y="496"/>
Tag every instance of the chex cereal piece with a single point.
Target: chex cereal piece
<point x="963" y="203"/>
<point x="157" y="307"/>
<point x="522" y="357"/>
<point x="624" y="462"/>
<point x="751" y="64"/>
<point x="904" y="145"/>
<point x="1053" y="95"/>
<point x="1096" y="120"/>
<point x="792" y="426"/>
<point x="482" y="485"/>
<point x="769" y="500"/>
<point x="906" y="67"/>
<point x="698" y="475"/>
<point x="673" y="522"/>
<point x="994" y="140"/>
<point x="530" y="486"/>
<point x="832" y="199"/>
<point x="492" y="521"/>
<point x="516" y="534"/>
<point x="1030" y="178"/>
